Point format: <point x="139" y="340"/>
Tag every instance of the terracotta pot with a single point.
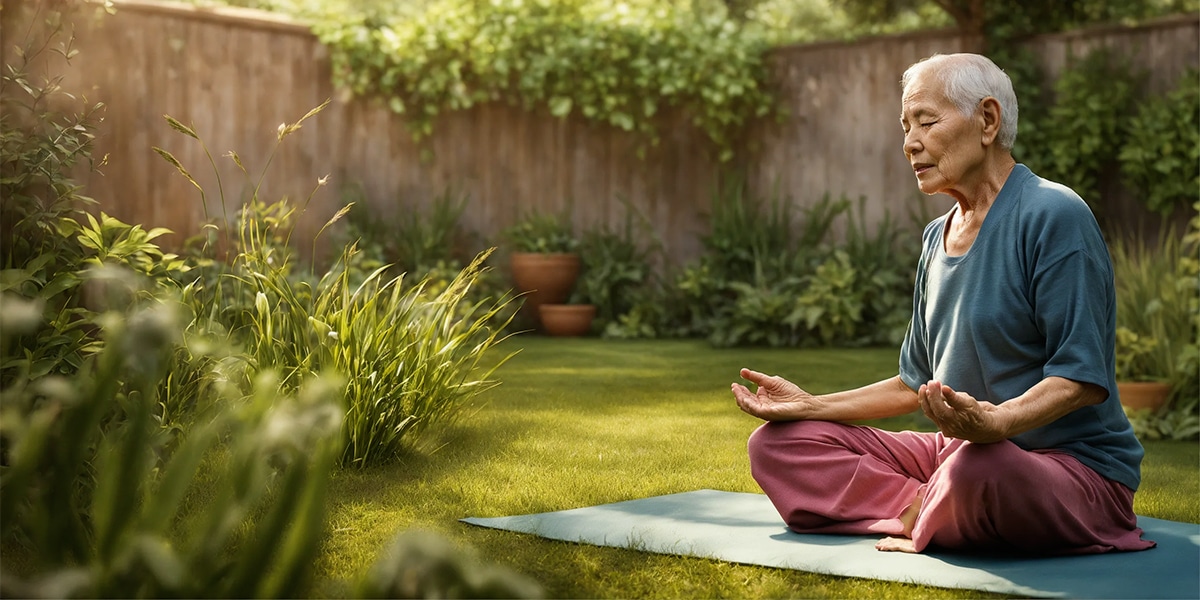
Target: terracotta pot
<point x="1143" y="394"/>
<point x="567" y="319"/>
<point x="543" y="278"/>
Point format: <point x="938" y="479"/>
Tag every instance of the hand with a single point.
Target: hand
<point x="959" y="415"/>
<point x="777" y="399"/>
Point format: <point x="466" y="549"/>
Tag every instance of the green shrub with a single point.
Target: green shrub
<point x="50" y="247"/>
<point x="831" y="304"/>
<point x="412" y="360"/>
<point x="410" y="241"/>
<point x="617" y="267"/>
<point x="757" y="260"/>
<point x="886" y="261"/>
<point x="1077" y="142"/>
<point x="1160" y="160"/>
<point x="769" y="276"/>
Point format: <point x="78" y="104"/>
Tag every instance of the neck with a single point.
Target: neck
<point x="982" y="189"/>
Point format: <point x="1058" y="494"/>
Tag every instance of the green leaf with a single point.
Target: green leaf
<point x="61" y="283"/>
<point x="560" y="106"/>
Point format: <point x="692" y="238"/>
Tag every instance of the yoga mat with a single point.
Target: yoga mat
<point x="745" y="528"/>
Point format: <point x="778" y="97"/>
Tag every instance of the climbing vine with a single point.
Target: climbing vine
<point x="614" y="63"/>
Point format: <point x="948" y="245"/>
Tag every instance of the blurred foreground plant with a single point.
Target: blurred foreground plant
<point x="104" y="504"/>
<point x="98" y="495"/>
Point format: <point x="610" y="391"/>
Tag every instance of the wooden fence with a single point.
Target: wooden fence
<point x="235" y="75"/>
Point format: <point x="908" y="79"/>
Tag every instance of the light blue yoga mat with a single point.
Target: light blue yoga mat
<point x="744" y="528"/>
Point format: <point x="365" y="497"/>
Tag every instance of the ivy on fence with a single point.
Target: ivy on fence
<point x="620" y="65"/>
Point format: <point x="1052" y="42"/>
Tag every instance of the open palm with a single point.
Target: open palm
<point x="776" y="399"/>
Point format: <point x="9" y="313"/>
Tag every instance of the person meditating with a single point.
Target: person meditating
<point x="1010" y="352"/>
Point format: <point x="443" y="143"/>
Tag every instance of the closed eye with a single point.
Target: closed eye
<point x="929" y="124"/>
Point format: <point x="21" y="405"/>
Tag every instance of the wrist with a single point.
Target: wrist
<point x="1005" y="422"/>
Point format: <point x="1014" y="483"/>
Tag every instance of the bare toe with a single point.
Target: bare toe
<point x="896" y="544"/>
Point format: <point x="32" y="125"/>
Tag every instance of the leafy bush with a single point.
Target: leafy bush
<point x="758" y="265"/>
<point x="50" y="247"/>
<point x="886" y="260"/>
<point x="412" y="239"/>
<point x="620" y="65"/>
<point x="832" y="304"/>
<point x="1079" y="137"/>
<point x="753" y="243"/>
<point x="43" y="137"/>
<point x="1161" y="157"/>
<point x="617" y="266"/>
<point x="769" y="276"/>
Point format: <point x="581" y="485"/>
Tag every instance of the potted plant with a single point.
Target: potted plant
<point x="1138" y="385"/>
<point x="571" y="320"/>
<point x="543" y="259"/>
<point x="1155" y="295"/>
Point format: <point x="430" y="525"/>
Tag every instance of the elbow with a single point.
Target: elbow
<point x="1091" y="394"/>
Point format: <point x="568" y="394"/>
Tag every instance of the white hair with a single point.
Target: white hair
<point x="968" y="78"/>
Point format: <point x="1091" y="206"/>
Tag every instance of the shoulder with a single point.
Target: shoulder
<point x="933" y="230"/>
<point x="1055" y="224"/>
<point x="1051" y="211"/>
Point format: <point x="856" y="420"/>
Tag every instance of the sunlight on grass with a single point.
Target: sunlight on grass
<point x="584" y="422"/>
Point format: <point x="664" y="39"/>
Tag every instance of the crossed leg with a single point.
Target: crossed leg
<point x="922" y="489"/>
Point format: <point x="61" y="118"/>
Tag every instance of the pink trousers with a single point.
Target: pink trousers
<point x="834" y="478"/>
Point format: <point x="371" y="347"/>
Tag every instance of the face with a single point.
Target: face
<point x="943" y="146"/>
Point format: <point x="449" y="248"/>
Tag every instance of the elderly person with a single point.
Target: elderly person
<point x="1009" y="353"/>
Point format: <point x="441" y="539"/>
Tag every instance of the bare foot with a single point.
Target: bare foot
<point x="909" y="517"/>
<point x="896" y="544"/>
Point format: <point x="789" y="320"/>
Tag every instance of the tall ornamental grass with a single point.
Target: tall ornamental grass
<point x="412" y="360"/>
<point x="410" y="355"/>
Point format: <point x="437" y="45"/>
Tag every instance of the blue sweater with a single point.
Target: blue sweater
<point x="1032" y="298"/>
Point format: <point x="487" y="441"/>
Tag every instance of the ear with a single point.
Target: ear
<point x="989" y="111"/>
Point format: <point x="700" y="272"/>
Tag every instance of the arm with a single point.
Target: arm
<point x="961" y="416"/>
<point x="778" y="399"/>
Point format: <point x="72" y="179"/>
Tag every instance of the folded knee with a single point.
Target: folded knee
<point x="778" y="444"/>
<point x="978" y="467"/>
<point x="773" y="435"/>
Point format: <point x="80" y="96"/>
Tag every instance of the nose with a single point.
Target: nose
<point x="912" y="142"/>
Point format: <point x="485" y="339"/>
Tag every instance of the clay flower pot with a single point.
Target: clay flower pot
<point x="567" y="319"/>
<point x="544" y="278"/>
<point x="1143" y="394"/>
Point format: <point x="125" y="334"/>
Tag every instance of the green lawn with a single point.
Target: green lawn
<point x="584" y="422"/>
